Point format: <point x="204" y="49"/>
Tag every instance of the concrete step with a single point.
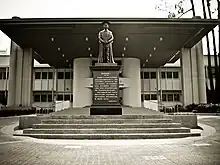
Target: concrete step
<point x="111" y="136"/>
<point x="152" y="116"/>
<point x="97" y="126"/>
<point x="106" y="131"/>
<point x="104" y="121"/>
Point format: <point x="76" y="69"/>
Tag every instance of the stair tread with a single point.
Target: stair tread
<point x="116" y="124"/>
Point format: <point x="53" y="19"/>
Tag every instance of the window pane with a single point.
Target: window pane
<point x="50" y="75"/>
<point x="44" y="75"/>
<point x="146" y="75"/>
<point x="169" y="74"/>
<point x="36" y="98"/>
<point x="153" y="97"/>
<point x="67" y="97"/>
<point x="142" y="77"/>
<point x="60" y="97"/>
<point x="43" y="98"/>
<point x="60" y="75"/>
<point x="71" y="98"/>
<point x="147" y="96"/>
<point x="50" y="98"/>
<point x="37" y="75"/>
<point x="153" y="75"/>
<point x="176" y="97"/>
<point x="163" y="74"/>
<point x="142" y="97"/>
<point x="175" y="74"/>
<point x="1" y="75"/>
<point x="164" y="97"/>
<point x="170" y="97"/>
<point x="67" y="75"/>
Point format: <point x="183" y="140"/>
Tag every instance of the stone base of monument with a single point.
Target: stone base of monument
<point x="106" y="110"/>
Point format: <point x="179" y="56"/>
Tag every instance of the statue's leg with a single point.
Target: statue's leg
<point x="100" y="57"/>
<point x="111" y="53"/>
<point x="107" y="54"/>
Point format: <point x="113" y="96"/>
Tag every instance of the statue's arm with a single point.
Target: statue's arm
<point x="111" y="39"/>
<point x="100" y="38"/>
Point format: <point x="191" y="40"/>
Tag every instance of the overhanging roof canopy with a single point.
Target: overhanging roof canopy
<point x="141" y="38"/>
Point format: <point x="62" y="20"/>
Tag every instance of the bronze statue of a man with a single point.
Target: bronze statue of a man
<point x="106" y="38"/>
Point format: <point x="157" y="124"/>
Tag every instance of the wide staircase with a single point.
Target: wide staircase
<point x="149" y="126"/>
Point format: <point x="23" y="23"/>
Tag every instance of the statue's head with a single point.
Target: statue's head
<point x="105" y="25"/>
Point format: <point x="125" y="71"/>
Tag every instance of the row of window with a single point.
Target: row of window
<point x="50" y="75"/>
<point x="49" y="98"/>
<point x="3" y="75"/>
<point x="165" y="97"/>
<point x="153" y="75"/>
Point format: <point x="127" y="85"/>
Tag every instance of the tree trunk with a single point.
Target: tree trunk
<point x="193" y="8"/>
<point x="209" y="56"/>
<point x="215" y="57"/>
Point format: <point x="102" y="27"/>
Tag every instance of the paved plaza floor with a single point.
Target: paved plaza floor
<point x="203" y="150"/>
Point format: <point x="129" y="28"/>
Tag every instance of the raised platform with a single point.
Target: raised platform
<point x="63" y="125"/>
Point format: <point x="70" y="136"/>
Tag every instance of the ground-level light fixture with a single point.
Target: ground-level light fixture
<point x="155" y="48"/>
<point x="58" y="49"/>
<point x="63" y="55"/>
<point x="122" y="54"/>
<point x="87" y="39"/>
<point x="150" y="55"/>
<point x="52" y="39"/>
<point x="124" y="48"/>
<point x="146" y="60"/>
<point x="90" y="55"/>
<point x="161" y="38"/>
<point x="89" y="48"/>
<point x="67" y="60"/>
<point x="126" y="38"/>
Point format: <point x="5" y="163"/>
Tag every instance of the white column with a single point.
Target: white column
<point x="20" y="76"/>
<point x="12" y="74"/>
<point x="186" y="77"/>
<point x="201" y="73"/>
<point x="82" y="95"/>
<point x="27" y="77"/>
<point x="132" y="94"/>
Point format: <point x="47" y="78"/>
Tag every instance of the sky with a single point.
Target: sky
<point x="89" y="8"/>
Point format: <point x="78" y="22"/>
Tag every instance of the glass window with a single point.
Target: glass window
<point x="67" y="75"/>
<point x="163" y="74"/>
<point x="153" y="75"/>
<point x="175" y="74"/>
<point x="50" y="99"/>
<point x="142" y="77"/>
<point x="1" y="75"/>
<point x="44" y="75"/>
<point x="170" y="97"/>
<point x="71" y="98"/>
<point x="60" y="75"/>
<point x="164" y="97"/>
<point x="67" y="97"/>
<point x="147" y="96"/>
<point x="36" y="98"/>
<point x="50" y="75"/>
<point x="169" y="74"/>
<point x="142" y="97"/>
<point x="176" y="97"/>
<point x="44" y="98"/>
<point x="153" y="97"/>
<point x="37" y="75"/>
<point x="146" y="75"/>
<point x="60" y="97"/>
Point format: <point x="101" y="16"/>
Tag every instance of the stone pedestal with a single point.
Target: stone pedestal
<point x="105" y="89"/>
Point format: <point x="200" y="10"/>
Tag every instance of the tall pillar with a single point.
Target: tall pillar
<point x="201" y="73"/>
<point x="193" y="75"/>
<point x="20" y="76"/>
<point x="12" y="74"/>
<point x="82" y="95"/>
<point x="132" y="94"/>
